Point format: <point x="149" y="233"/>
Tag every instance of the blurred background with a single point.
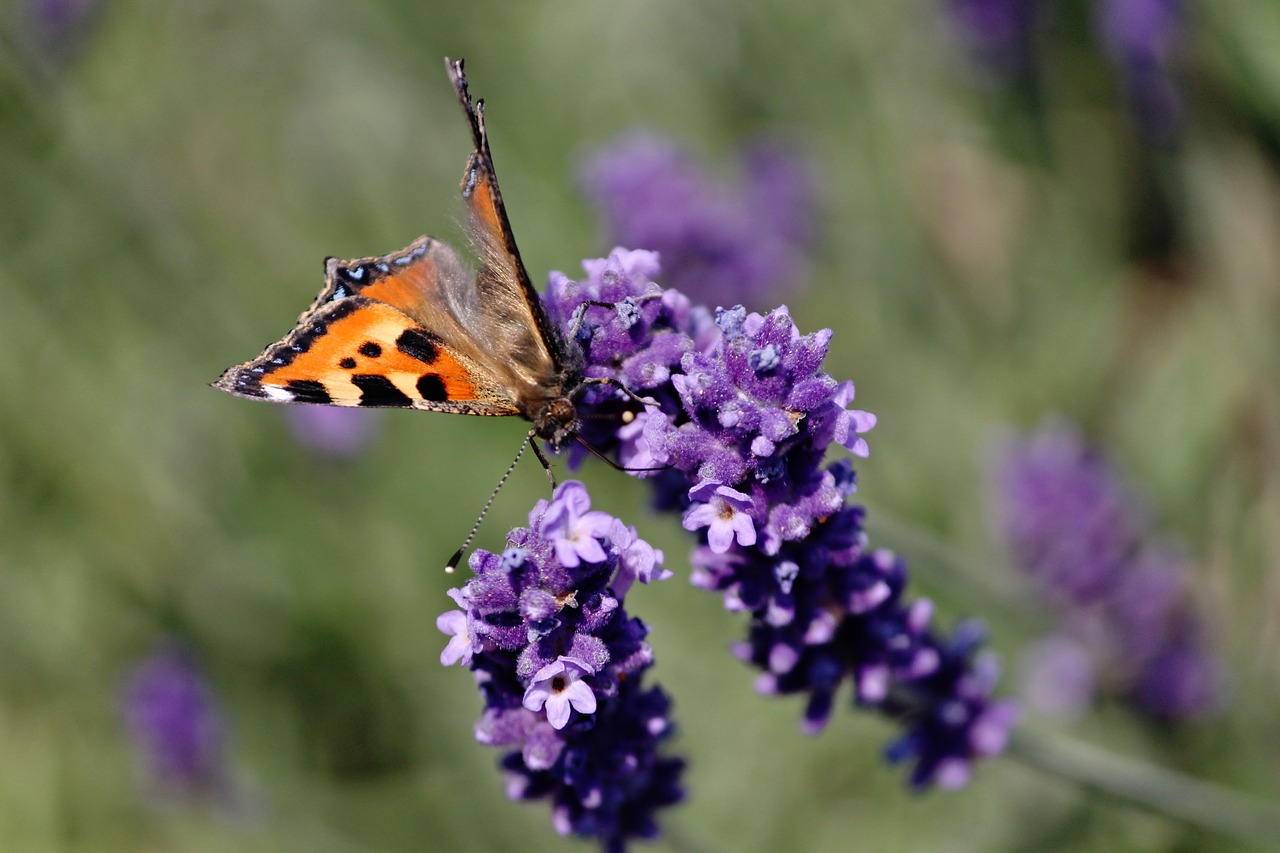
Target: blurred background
<point x="1017" y="209"/>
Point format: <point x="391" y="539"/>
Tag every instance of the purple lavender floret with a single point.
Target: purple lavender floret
<point x="1078" y="529"/>
<point x="742" y="415"/>
<point x="176" y="727"/>
<point x="716" y="241"/>
<point x="560" y="665"/>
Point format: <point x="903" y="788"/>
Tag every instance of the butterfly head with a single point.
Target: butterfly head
<point x="557" y="422"/>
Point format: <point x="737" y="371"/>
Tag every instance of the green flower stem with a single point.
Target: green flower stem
<point x="1147" y="786"/>
<point x="1139" y="783"/>
<point x="939" y="566"/>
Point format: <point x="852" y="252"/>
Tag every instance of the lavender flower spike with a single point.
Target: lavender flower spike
<point x="741" y="412"/>
<point x="561" y="667"/>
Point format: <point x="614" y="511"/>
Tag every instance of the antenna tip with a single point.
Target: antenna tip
<point x="453" y="562"/>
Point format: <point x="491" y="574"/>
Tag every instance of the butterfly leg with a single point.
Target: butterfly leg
<point x="546" y="465"/>
<point x="579" y="314"/>
<point x="611" y="381"/>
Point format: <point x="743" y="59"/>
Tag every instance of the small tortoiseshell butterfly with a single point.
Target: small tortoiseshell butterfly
<point x="414" y="330"/>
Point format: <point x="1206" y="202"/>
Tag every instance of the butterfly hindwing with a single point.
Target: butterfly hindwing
<point x="417" y="280"/>
<point x="356" y="351"/>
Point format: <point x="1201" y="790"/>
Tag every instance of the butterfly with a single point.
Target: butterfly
<point x="415" y="330"/>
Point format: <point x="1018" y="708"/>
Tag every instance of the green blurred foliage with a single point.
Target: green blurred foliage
<point x="171" y="176"/>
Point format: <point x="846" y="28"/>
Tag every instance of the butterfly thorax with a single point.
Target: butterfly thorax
<point x="553" y="411"/>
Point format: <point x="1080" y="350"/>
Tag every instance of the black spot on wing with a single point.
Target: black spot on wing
<point x="370" y="349"/>
<point x="379" y="391"/>
<point x="347" y="363"/>
<point x="418" y="344"/>
<point x="431" y="387"/>
<point x="308" y="391"/>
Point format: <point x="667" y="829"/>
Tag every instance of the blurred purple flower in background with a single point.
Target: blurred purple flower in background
<point x="54" y="30"/>
<point x="1001" y="34"/>
<point x="718" y="243"/>
<point x="334" y="431"/>
<point x="1142" y="38"/>
<point x="177" y="730"/>
<point x="1058" y="677"/>
<point x="1073" y="525"/>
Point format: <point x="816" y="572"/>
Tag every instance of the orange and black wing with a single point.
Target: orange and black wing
<point x="414" y="329"/>
<point x="378" y="335"/>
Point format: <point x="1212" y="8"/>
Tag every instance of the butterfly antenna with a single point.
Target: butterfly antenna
<point x="457" y="555"/>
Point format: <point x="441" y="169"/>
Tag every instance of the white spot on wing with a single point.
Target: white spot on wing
<point x="277" y="393"/>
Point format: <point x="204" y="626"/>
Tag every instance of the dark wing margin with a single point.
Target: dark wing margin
<point x="489" y="215"/>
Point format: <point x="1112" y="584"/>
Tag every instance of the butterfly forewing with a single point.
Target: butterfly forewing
<point x="512" y="308"/>
<point x="381" y="333"/>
